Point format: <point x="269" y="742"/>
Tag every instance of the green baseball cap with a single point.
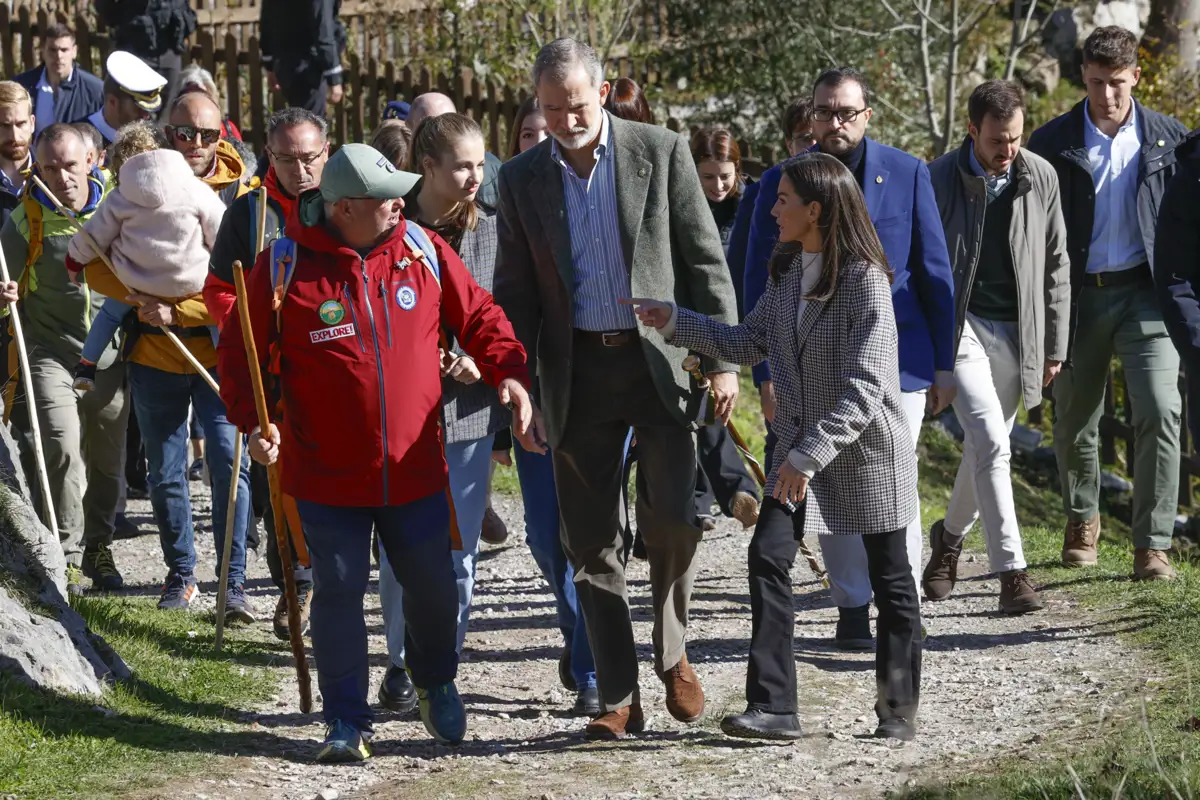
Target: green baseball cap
<point x="359" y="170"/>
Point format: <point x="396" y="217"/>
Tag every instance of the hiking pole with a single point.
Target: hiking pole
<point x="691" y="364"/>
<point x="281" y="539"/>
<point x="31" y="405"/>
<point x="227" y="550"/>
<point x="191" y="359"/>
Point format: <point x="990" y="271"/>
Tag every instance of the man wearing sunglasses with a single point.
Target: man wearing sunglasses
<point x="195" y="131"/>
<point x="900" y="199"/>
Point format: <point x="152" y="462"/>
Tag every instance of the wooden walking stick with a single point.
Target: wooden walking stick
<point x="31" y="405"/>
<point x="191" y="359"/>
<point x="691" y="364"/>
<point x="227" y="550"/>
<point x="281" y="539"/>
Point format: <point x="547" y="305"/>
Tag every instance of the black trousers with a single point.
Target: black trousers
<point x="721" y="473"/>
<point x="260" y="493"/>
<point x="307" y="95"/>
<point x="136" y="470"/>
<point x="771" y="676"/>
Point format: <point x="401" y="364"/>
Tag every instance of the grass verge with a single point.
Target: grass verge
<point x="169" y="720"/>
<point x="1128" y="755"/>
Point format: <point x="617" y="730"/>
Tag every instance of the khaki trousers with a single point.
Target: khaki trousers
<point x="83" y="437"/>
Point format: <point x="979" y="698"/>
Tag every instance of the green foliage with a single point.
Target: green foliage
<point x="169" y="719"/>
<point x="1170" y="87"/>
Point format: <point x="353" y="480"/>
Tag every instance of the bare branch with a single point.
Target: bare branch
<point x="895" y="14"/>
<point x="927" y="74"/>
<point x="619" y="30"/>
<point x="907" y="118"/>
<point x="874" y="34"/>
<point x="924" y="13"/>
<point x="974" y="18"/>
<point x="949" y="115"/>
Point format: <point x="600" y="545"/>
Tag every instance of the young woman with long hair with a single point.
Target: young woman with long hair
<point x="846" y="464"/>
<point x="528" y="128"/>
<point x="448" y="152"/>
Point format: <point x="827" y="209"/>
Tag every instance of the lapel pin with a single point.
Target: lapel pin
<point x="1161" y="143"/>
<point x="642" y="173"/>
<point x="879" y="179"/>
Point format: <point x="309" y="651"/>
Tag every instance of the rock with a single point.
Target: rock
<point x="43" y="641"/>
<point x="326" y="794"/>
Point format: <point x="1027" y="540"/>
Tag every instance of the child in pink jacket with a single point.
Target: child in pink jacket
<point x="157" y="228"/>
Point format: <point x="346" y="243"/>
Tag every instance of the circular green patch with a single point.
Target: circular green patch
<point x="331" y="312"/>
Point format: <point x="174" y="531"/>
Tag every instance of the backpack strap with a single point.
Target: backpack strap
<point x="33" y="216"/>
<point x="422" y="246"/>
<point x="283" y="267"/>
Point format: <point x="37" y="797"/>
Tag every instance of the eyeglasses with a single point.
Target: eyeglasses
<point x="844" y="115"/>
<point x="307" y="159"/>
<point x="188" y="133"/>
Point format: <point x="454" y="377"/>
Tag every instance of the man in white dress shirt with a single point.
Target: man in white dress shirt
<point x="61" y="90"/>
<point x="1114" y="158"/>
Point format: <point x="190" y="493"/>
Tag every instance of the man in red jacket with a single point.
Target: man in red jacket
<point x="357" y="341"/>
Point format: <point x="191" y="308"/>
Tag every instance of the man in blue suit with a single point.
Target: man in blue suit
<point x="902" y="205"/>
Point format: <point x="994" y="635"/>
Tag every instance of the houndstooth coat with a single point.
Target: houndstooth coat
<point x="837" y="382"/>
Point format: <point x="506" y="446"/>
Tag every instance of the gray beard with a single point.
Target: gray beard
<point x="576" y="141"/>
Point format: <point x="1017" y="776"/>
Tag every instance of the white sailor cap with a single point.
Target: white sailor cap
<point x="137" y="79"/>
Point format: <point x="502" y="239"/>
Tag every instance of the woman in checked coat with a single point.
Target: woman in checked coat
<point x="827" y="327"/>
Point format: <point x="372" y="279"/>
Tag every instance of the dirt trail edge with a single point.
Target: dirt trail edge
<point x="994" y="686"/>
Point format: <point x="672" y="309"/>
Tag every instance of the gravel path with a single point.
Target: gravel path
<point x="992" y="686"/>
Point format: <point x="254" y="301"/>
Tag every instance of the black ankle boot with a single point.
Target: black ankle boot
<point x="854" y="628"/>
<point x="397" y="692"/>
<point x="758" y="724"/>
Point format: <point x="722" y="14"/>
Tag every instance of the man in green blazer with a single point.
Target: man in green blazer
<point x="602" y="211"/>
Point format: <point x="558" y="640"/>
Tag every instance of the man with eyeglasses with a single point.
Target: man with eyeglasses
<point x="195" y="131"/>
<point x="132" y="91"/>
<point x="902" y="205"/>
<point x="298" y="149"/>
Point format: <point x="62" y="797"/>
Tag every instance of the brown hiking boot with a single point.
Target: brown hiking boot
<point x="616" y="724"/>
<point x="685" y="695"/>
<point x="279" y="621"/>
<point x="941" y="572"/>
<point x="1152" y="565"/>
<point x="1017" y="595"/>
<point x="745" y="509"/>
<point x="494" y="530"/>
<point x="1079" y="543"/>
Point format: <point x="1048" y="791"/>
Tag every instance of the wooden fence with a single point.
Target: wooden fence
<point x="236" y="65"/>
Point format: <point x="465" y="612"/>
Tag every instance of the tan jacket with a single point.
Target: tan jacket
<point x="1038" y="237"/>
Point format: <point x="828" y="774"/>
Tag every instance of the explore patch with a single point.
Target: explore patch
<point x="406" y="298"/>
<point x="331" y="312"/>
<point x="329" y="334"/>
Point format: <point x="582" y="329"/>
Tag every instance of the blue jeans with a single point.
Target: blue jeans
<point x="417" y="538"/>
<point x="469" y="464"/>
<point x="161" y="400"/>
<point x="105" y="326"/>
<point x="538" y="493"/>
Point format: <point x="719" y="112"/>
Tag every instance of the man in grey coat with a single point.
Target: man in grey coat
<point x="1007" y="239"/>
<point x="602" y="211"/>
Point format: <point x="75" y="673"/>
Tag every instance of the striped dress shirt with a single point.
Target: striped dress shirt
<point x="601" y="276"/>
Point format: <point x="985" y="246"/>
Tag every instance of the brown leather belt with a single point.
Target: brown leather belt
<point x="1102" y="280"/>
<point x="608" y="338"/>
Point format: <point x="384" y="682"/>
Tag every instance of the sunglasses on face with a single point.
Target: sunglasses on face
<point x="188" y="133"/>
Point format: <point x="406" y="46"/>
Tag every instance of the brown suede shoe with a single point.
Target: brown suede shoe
<point x="941" y="572"/>
<point x="1152" y="565"/>
<point x="1017" y="595"/>
<point x="745" y="509"/>
<point x="1079" y="543"/>
<point x="685" y="695"/>
<point x="494" y="530"/>
<point x="616" y="724"/>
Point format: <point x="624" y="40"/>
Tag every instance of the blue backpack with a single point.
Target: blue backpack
<point x="283" y="262"/>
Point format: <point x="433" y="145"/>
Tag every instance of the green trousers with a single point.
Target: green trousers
<point x="84" y="442"/>
<point x="1124" y="321"/>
